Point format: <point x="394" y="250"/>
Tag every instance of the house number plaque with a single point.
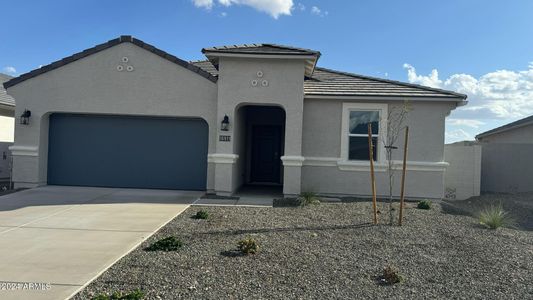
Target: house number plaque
<point x="224" y="138"/>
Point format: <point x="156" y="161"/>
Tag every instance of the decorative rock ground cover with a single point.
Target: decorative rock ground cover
<point x="327" y="251"/>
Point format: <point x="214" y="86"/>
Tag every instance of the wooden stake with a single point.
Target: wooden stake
<point x="403" y="173"/>
<point x="371" y="155"/>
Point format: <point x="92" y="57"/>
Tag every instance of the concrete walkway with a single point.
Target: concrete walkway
<point x="67" y="236"/>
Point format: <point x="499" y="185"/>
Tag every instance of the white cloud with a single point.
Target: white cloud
<point x="207" y="4"/>
<point x="501" y="94"/>
<point x="458" y="135"/>
<point x="494" y="98"/>
<point x="301" y="7"/>
<point x="318" y="12"/>
<point x="465" y="122"/>
<point x="274" y="8"/>
<point x="431" y="80"/>
<point x="223" y="14"/>
<point x="9" y="70"/>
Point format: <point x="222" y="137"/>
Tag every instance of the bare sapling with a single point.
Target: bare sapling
<point x="395" y="125"/>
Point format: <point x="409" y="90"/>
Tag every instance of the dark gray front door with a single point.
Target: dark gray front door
<point x="266" y="150"/>
<point x="129" y="152"/>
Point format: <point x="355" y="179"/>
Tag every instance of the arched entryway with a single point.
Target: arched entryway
<point x="260" y="142"/>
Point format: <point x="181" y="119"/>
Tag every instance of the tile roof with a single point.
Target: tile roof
<point x="109" y="44"/>
<point x="310" y="56"/>
<point x="320" y="81"/>
<point x="326" y="82"/>
<point x="515" y="124"/>
<point x="206" y="66"/>
<point x="261" y="49"/>
<point x="5" y="99"/>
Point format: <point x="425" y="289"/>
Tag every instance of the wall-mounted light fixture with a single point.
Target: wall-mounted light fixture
<point x="25" y="117"/>
<point x="224" y="126"/>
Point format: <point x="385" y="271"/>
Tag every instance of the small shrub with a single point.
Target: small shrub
<point x="308" y="198"/>
<point x="135" y="295"/>
<point x="167" y="244"/>
<point x="426" y="204"/>
<point x="494" y="216"/>
<point x="201" y="214"/>
<point x="390" y="276"/>
<point x="248" y="246"/>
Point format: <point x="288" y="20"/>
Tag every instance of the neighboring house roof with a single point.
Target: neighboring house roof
<point x="520" y="123"/>
<point x="109" y="44"/>
<point x="326" y="82"/>
<point x="268" y="50"/>
<point x="5" y="99"/>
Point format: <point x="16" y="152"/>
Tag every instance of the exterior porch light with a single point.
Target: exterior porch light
<point x="25" y="117"/>
<point x="224" y="126"/>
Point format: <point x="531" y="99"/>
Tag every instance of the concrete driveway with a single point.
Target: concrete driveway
<point x="67" y="236"/>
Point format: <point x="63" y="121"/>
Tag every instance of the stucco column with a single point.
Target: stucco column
<point x="225" y="158"/>
<point x="293" y="159"/>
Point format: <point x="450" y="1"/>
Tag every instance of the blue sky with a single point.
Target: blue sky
<point x="482" y="48"/>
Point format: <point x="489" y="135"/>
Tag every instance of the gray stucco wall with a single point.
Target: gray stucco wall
<point x="157" y="87"/>
<point x="93" y="85"/>
<point x="520" y="135"/>
<point x="284" y="88"/>
<point x="507" y="168"/>
<point x="322" y="150"/>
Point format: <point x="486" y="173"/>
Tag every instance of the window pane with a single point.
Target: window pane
<point x="359" y="148"/>
<point x="359" y="121"/>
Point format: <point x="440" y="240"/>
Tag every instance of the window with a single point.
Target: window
<point x="358" y="134"/>
<point x="356" y="117"/>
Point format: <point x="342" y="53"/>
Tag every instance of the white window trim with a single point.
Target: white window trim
<point x="383" y="114"/>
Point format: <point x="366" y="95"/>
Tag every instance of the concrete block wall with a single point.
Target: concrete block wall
<point x="462" y="179"/>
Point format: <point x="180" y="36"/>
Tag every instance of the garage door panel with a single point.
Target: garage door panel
<point x="134" y="152"/>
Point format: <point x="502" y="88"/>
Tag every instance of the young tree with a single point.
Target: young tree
<point x="395" y="125"/>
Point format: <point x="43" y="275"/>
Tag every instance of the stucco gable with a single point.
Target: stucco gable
<point x="104" y="46"/>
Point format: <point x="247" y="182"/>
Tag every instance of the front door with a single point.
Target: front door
<point x="266" y="152"/>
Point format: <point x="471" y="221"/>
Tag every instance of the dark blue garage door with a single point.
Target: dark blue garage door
<point x="130" y="152"/>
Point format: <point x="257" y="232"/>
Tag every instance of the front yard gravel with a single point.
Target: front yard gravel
<point x="328" y="251"/>
<point x="519" y="206"/>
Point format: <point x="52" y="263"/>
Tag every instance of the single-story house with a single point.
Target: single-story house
<point x="127" y="114"/>
<point x="507" y="164"/>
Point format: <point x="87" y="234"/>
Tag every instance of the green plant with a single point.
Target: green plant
<point x="390" y="275"/>
<point x="494" y="216"/>
<point x="308" y="198"/>
<point x="167" y="244"/>
<point x="135" y="295"/>
<point x="425" y="204"/>
<point x="201" y="214"/>
<point x="248" y="246"/>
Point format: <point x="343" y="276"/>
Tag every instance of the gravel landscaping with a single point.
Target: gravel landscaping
<point x="327" y="251"/>
<point x="519" y="206"/>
